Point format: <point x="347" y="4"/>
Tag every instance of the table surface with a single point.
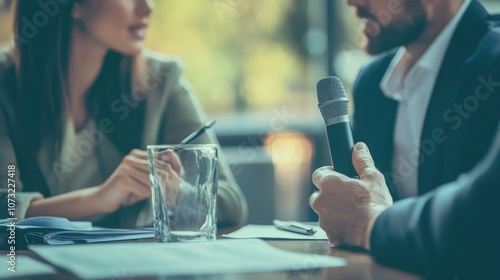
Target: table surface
<point x="360" y="266"/>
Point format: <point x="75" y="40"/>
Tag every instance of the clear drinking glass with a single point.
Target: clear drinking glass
<point x="184" y="191"/>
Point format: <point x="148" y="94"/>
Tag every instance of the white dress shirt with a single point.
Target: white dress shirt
<point x="413" y="92"/>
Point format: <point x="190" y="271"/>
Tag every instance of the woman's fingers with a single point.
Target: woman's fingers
<point x="135" y="176"/>
<point x="138" y="176"/>
<point x="139" y="154"/>
<point x="136" y="162"/>
<point x="173" y="159"/>
<point x="135" y="167"/>
<point x="138" y="188"/>
<point x="173" y="176"/>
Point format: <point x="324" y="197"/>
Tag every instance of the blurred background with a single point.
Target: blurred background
<point x="254" y="65"/>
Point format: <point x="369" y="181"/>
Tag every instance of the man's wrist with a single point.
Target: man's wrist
<point x="375" y="213"/>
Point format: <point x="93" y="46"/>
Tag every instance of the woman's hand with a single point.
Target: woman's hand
<point x="169" y="170"/>
<point x="128" y="184"/>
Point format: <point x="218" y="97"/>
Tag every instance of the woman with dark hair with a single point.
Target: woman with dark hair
<point x="80" y="98"/>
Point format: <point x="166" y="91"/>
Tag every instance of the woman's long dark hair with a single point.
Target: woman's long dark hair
<point x="42" y="48"/>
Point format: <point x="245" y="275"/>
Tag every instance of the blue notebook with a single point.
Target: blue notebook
<point x="61" y="231"/>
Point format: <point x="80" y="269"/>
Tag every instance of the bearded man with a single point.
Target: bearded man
<point x="428" y="105"/>
<point x="428" y="108"/>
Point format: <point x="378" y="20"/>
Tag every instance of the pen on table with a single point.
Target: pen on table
<point x="294" y="227"/>
<point x="198" y="132"/>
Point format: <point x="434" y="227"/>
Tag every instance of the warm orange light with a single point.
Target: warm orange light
<point x="288" y="148"/>
<point x="291" y="153"/>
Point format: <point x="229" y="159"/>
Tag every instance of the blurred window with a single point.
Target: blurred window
<point x="247" y="56"/>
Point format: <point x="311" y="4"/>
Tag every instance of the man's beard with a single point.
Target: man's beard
<point x="397" y="32"/>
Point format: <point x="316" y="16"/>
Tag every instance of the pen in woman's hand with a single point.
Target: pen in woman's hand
<point x="198" y="132"/>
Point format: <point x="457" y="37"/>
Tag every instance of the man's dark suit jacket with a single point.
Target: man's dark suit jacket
<point x="452" y="142"/>
<point x="453" y="230"/>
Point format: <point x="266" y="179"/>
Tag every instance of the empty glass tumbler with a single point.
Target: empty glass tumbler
<point x="184" y="191"/>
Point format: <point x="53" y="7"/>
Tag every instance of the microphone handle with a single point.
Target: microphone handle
<point x="341" y="144"/>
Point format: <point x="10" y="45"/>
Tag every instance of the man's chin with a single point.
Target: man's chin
<point x="375" y="47"/>
<point x="391" y="38"/>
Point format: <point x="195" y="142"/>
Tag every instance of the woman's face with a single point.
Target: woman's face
<point x="119" y="25"/>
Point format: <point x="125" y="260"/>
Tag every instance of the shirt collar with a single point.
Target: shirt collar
<point x="393" y="80"/>
<point x="437" y="50"/>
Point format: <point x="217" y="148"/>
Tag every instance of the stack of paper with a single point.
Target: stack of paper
<point x="95" y="236"/>
<point x="60" y="231"/>
<point x="167" y="259"/>
<point x="47" y="222"/>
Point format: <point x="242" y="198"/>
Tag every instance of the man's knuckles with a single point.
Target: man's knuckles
<point x="328" y="178"/>
<point x="363" y="162"/>
<point x="317" y="203"/>
<point x="373" y="175"/>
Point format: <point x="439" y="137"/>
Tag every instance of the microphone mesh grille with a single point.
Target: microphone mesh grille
<point x="335" y="109"/>
<point x="329" y="88"/>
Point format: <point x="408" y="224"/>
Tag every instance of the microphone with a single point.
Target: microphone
<point x="334" y="107"/>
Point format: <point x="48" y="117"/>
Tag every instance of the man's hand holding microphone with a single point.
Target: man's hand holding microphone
<point x="347" y="207"/>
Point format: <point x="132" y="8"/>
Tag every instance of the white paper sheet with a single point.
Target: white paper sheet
<point x="24" y="267"/>
<point x="167" y="259"/>
<point x="271" y="232"/>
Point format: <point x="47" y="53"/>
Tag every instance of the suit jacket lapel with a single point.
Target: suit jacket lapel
<point x="388" y="117"/>
<point x="469" y="32"/>
<point x="371" y="104"/>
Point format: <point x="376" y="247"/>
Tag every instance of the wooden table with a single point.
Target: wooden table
<point x="360" y="266"/>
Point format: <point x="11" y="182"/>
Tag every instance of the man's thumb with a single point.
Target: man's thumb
<point x="361" y="158"/>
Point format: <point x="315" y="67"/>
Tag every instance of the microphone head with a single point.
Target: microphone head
<point x="332" y="100"/>
<point x="329" y="88"/>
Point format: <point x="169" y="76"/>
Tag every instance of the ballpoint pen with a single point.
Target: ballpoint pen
<point x="294" y="227"/>
<point x="198" y="132"/>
